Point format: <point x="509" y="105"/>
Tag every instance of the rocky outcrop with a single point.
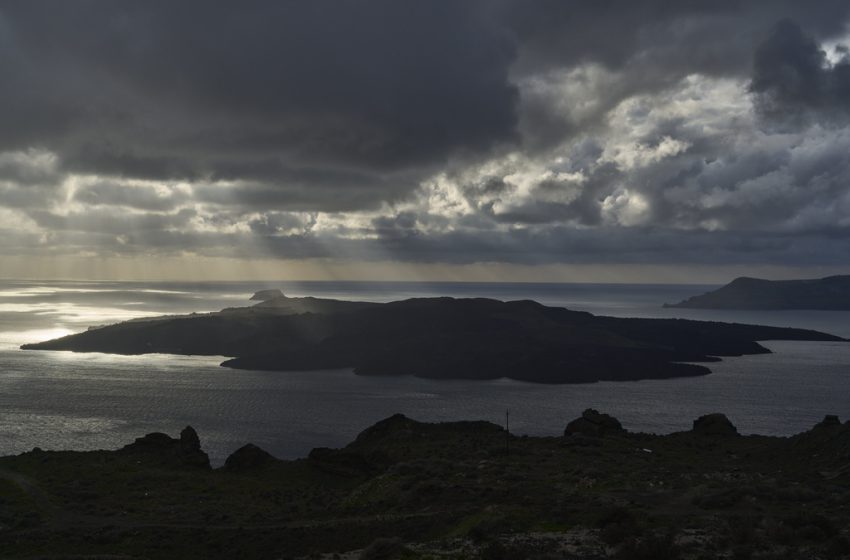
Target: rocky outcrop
<point x="594" y="424"/>
<point x="162" y="449"/>
<point x="716" y="424"/>
<point x="634" y="495"/>
<point x="248" y="457"/>
<point x="830" y="420"/>
<point x="831" y="293"/>
<point x="827" y="443"/>
<point x="266" y="295"/>
<point x="189" y="439"/>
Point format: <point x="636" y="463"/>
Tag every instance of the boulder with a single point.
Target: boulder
<point x="248" y="457"/>
<point x="714" y="425"/>
<point x="593" y="423"/>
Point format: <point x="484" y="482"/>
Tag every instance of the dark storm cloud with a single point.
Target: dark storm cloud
<point x="793" y="81"/>
<point x="571" y="246"/>
<point x="181" y="90"/>
<point x="188" y="90"/>
<point x="570" y="131"/>
<point x="303" y="188"/>
<point x="699" y="35"/>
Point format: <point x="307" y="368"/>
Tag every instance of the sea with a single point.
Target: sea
<point x="64" y="400"/>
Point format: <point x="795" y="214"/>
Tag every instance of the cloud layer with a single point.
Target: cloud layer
<point x="450" y="132"/>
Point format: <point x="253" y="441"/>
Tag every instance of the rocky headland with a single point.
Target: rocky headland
<point x="461" y="490"/>
<point x="437" y="338"/>
<point x="831" y="293"/>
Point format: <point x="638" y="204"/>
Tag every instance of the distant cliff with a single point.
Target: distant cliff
<point x="832" y="293"/>
<point x="437" y="338"/>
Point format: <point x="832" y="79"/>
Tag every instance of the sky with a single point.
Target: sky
<point x="513" y="140"/>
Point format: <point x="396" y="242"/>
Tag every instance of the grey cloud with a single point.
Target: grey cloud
<point x="111" y="223"/>
<point x="300" y="195"/>
<point x="194" y="90"/>
<point x="140" y="197"/>
<point x="648" y="47"/>
<point x="28" y="168"/>
<point x="274" y="223"/>
<point x="707" y="36"/>
<point x="25" y="198"/>
<point x="269" y="113"/>
<point x="793" y="81"/>
<point x="145" y="91"/>
<point x="28" y="179"/>
<point x="569" y="245"/>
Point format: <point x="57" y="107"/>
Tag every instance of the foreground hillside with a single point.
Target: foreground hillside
<point x="465" y="490"/>
<point x="831" y="293"/>
<point x="437" y="337"/>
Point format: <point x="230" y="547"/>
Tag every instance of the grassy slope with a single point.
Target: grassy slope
<point x="443" y="488"/>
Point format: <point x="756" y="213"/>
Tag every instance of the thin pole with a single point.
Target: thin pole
<point x="507" y="431"/>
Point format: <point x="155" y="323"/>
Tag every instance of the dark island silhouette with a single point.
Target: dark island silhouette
<point x="437" y="338"/>
<point x="831" y="293"/>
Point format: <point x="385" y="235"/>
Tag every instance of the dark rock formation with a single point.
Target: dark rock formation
<point x="714" y="425"/>
<point x="161" y="448"/>
<point x="828" y="440"/>
<point x="266" y="295"/>
<point x="190" y="449"/>
<point x="593" y="423"/>
<point x="397" y="426"/>
<point x="830" y="420"/>
<point x="753" y="293"/>
<point x="154" y="440"/>
<point x="189" y="439"/>
<point x="248" y="457"/>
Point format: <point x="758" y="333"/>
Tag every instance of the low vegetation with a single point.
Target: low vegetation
<point x="405" y="489"/>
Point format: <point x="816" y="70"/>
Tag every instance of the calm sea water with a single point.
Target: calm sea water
<point x="61" y="400"/>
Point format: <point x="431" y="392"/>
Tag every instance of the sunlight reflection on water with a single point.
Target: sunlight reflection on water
<point x="12" y="340"/>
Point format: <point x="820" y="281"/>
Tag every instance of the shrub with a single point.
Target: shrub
<point x="385" y="549"/>
<point x="650" y="547"/>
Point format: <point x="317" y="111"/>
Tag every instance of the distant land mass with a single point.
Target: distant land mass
<point x="831" y="293"/>
<point x="442" y="337"/>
